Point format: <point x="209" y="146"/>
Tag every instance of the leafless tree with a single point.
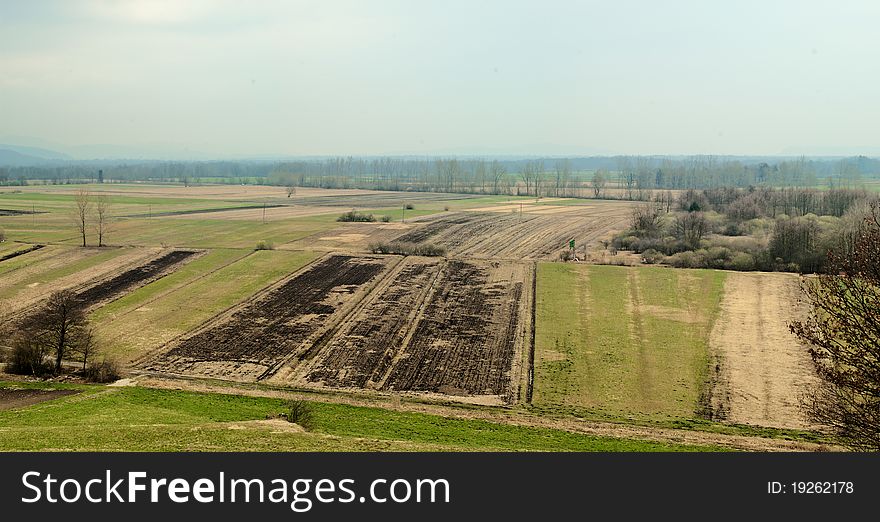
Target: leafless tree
<point x="82" y="211"/>
<point x="59" y="328"/>
<point x="291" y="190"/>
<point x="598" y="183"/>
<point x="498" y="172"/>
<point x="102" y="218"/>
<point x="690" y="227"/>
<point x="645" y="220"/>
<point x="844" y="330"/>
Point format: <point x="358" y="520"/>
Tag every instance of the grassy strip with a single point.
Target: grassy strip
<point x="624" y="341"/>
<point x="143" y="419"/>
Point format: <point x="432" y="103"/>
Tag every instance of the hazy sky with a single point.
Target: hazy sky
<point x="469" y="77"/>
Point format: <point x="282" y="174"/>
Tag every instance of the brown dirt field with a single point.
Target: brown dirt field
<point x="447" y="328"/>
<point x="16" y="398"/>
<point x="492" y="235"/>
<point x="761" y="369"/>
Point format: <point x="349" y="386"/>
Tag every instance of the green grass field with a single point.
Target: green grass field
<point x="143" y="419"/>
<point x="156" y="313"/>
<point x="623" y="342"/>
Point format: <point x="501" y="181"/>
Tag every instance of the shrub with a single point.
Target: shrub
<point x="265" y="245"/>
<point x="742" y="261"/>
<point x="409" y="206"/>
<point x="687" y="259"/>
<point x="652" y="256"/>
<point x="385" y="219"/>
<point x="355" y="216"/>
<point x="446" y="209"/>
<point x="566" y="255"/>
<point x="27" y="359"/>
<point x="102" y="372"/>
<point x="302" y="413"/>
<point x="408" y="249"/>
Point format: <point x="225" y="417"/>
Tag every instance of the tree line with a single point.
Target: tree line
<point x="632" y="177"/>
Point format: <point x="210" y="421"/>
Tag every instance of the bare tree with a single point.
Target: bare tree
<point x="291" y="189"/>
<point x="60" y="327"/>
<point x="81" y="212"/>
<point x="102" y="217"/>
<point x="598" y="183"/>
<point x="844" y="330"/>
<point x="690" y="228"/>
<point x="563" y="173"/>
<point x="645" y="220"/>
<point x="498" y="173"/>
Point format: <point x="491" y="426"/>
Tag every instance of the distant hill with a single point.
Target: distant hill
<point x="18" y="156"/>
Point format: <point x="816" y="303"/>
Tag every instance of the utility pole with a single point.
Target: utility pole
<point x="264" y="212"/>
<point x="403" y="213"/>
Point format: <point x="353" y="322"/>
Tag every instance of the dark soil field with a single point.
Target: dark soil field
<point x="447" y="327"/>
<point x="254" y="340"/>
<point x="466" y="338"/>
<point x="16" y="398"/>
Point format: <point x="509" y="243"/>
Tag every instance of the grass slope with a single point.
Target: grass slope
<point x="143" y="419"/>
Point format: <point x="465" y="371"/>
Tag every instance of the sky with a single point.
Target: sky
<point x="230" y="78"/>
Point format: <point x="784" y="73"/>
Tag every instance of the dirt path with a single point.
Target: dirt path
<point x="762" y="370"/>
<point x="499" y="415"/>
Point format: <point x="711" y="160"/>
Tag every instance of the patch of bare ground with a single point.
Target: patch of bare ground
<point x="453" y="328"/>
<point x="760" y="370"/>
<point x="403" y="402"/>
<point x="515" y="235"/>
<point x="271" y="425"/>
<point x="19" y="397"/>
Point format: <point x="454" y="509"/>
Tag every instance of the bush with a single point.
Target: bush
<point x="652" y="257"/>
<point x="385" y="219"/>
<point x="355" y="216"/>
<point x="265" y="245"/>
<point x="566" y="255"/>
<point x="302" y="413"/>
<point x="409" y="206"/>
<point x="102" y="372"/>
<point x="742" y="261"/>
<point x="27" y="359"/>
<point x="408" y="249"/>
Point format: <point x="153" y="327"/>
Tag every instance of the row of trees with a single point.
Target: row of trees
<point x="635" y="177"/>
